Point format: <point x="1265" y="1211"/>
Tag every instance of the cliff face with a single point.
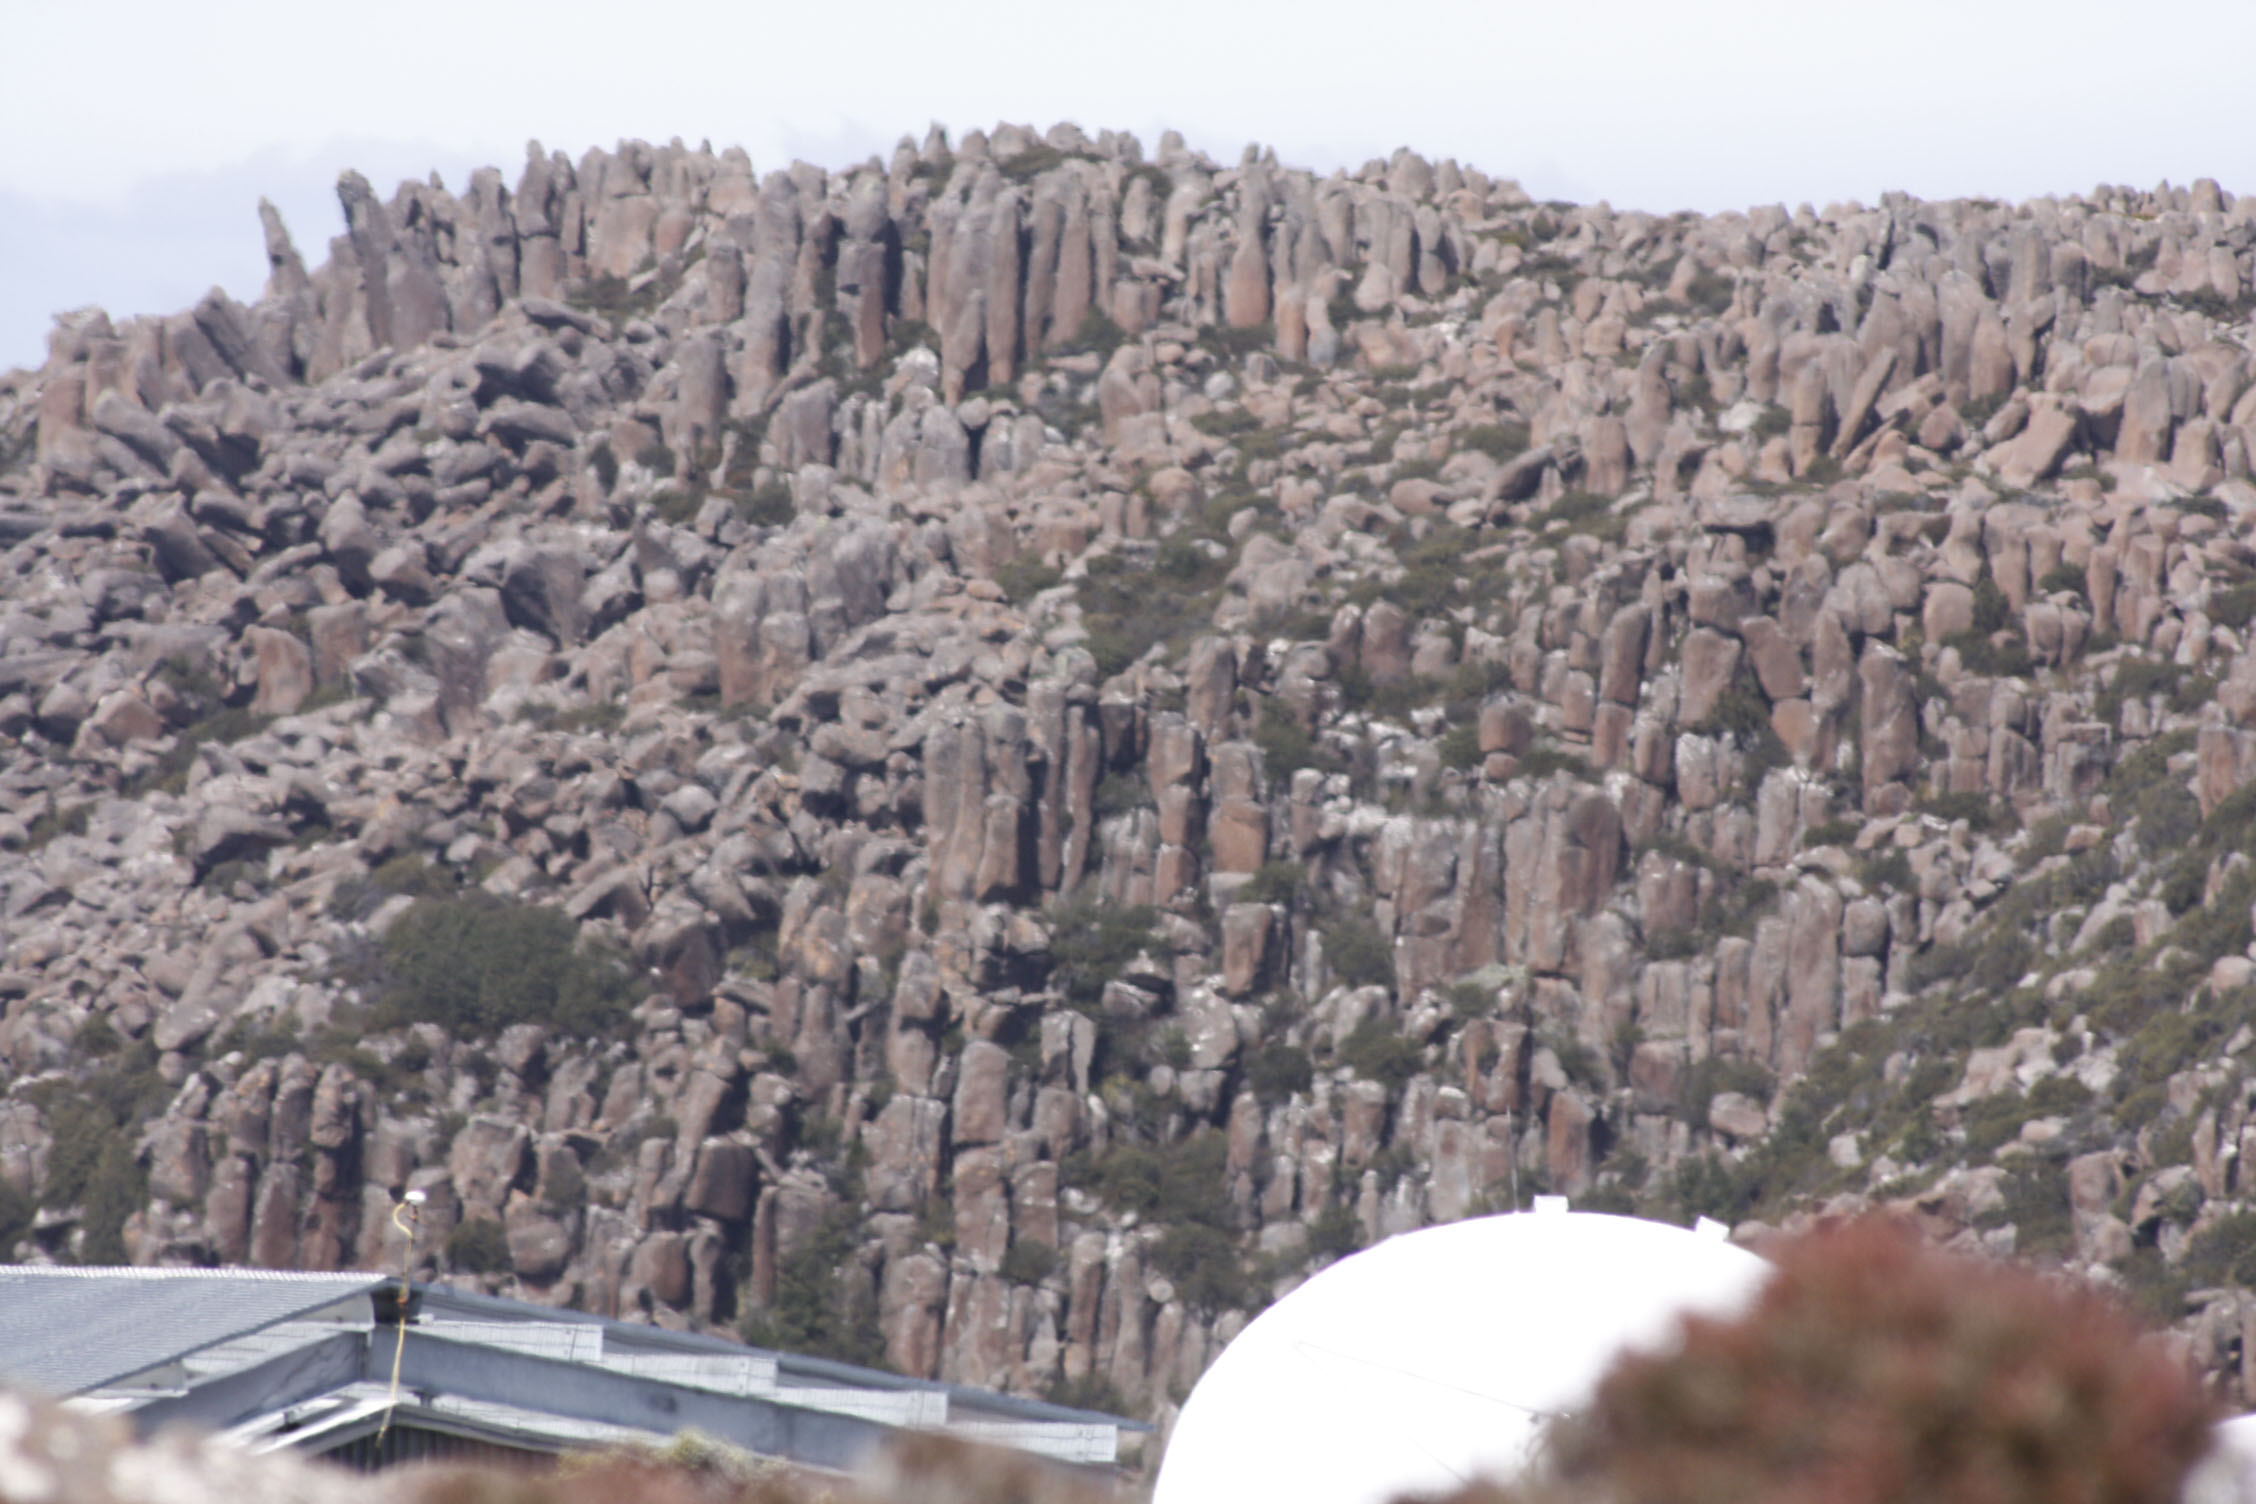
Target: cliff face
<point x="1107" y="730"/>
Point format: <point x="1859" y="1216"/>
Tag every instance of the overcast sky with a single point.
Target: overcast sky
<point x="141" y="135"/>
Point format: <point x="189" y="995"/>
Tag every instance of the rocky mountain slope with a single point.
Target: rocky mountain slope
<point x="978" y="761"/>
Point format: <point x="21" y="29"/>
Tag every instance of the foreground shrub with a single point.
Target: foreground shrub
<point x="1873" y="1370"/>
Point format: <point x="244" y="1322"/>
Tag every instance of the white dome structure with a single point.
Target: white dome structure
<point x="2228" y="1474"/>
<point x="1436" y="1356"/>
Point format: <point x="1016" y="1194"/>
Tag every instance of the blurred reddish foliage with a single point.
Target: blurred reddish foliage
<point x="1876" y="1370"/>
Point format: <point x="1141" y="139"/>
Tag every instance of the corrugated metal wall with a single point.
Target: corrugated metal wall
<point x="404" y="1444"/>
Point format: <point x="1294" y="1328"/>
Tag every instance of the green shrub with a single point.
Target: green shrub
<point x="2166" y="1040"/>
<point x="1983" y="653"/>
<point x="1460" y="748"/>
<point x="605" y="463"/>
<point x="1678" y="943"/>
<point x="1471" y="684"/>
<point x="1708" y="1185"/>
<point x="2224" y="1252"/>
<point x="1174" y="1047"/>
<point x="1226" y="422"/>
<point x="1544" y="759"/>
<point x="16" y="1216"/>
<point x="1277" y="1070"/>
<point x="224" y="877"/>
<point x="2135" y="679"/>
<point x="1708" y="1078"/>
<point x="1470" y="1000"/>
<point x="2234" y="606"/>
<point x="616" y="298"/>
<point x="567" y="1189"/>
<point x="1286" y="746"/>
<point x="225" y="725"/>
<point x="410" y="874"/>
<point x="1292" y="624"/>
<point x="58" y="820"/>
<point x="1939" y="963"/>
<point x="1358" y="954"/>
<point x="1994" y="1120"/>
<point x="2058" y="1096"/>
<point x="1121" y="793"/>
<point x="2036" y="1203"/>
<point x="1125" y="1178"/>
<point x="936" y="1222"/>
<point x="1336" y="1232"/>
<point x="1833" y="833"/>
<point x="1435" y="577"/>
<point x="2211" y="930"/>
<point x="2182" y="883"/>
<point x="677" y="506"/>
<point x="1089" y="1392"/>
<point x="94" y="1123"/>
<point x="480" y="1246"/>
<point x="1091" y="941"/>
<point x="1710" y="292"/>
<point x="474" y="965"/>
<point x="1981" y="813"/>
<point x="1181" y="1182"/>
<point x="96" y="1038"/>
<point x="1736" y="907"/>
<point x="1239" y="343"/>
<point x="1887" y="867"/>
<point x="1742" y="714"/>
<point x="2002" y="962"/>
<point x="1128" y="607"/>
<point x="1992" y="611"/>
<point x="117" y="1188"/>
<point x="1393" y="700"/>
<point x="2116" y="935"/>
<point x="1031" y="163"/>
<point x="1098" y="336"/>
<point x="1377" y="1051"/>
<point x="1578" y="1060"/>
<point x="768" y="506"/>
<point x="1279" y="883"/>
<point x="1203" y="1262"/>
<point x="1582" y="512"/>
<point x="823" y="1306"/>
<point x="1029" y="1261"/>
<point x="2167" y="815"/>
<point x="600" y="717"/>
<point x="1026" y="576"/>
<point x="1500" y="441"/>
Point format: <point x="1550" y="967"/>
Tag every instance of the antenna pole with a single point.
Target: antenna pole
<point x="407" y="1217"/>
<point x="1513" y="1160"/>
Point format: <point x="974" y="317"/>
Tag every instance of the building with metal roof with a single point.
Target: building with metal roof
<point x="339" y="1366"/>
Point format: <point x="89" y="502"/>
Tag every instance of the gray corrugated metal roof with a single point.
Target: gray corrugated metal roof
<point x="444" y="1302"/>
<point x="66" y="1330"/>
